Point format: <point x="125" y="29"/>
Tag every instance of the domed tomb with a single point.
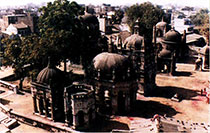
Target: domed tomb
<point x="47" y="93"/>
<point x="133" y="42"/>
<point x="115" y="83"/>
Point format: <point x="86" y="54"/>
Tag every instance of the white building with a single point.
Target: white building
<point x="183" y="24"/>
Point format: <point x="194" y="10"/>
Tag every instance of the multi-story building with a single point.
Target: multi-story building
<point x="19" y="18"/>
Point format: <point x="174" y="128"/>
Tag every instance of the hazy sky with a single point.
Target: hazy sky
<point x="194" y="3"/>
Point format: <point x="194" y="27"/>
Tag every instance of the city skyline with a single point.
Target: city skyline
<point x="192" y="3"/>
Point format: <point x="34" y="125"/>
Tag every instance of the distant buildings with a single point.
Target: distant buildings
<point x="183" y="24"/>
<point x="19" y="22"/>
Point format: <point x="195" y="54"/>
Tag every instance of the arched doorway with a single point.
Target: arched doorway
<point x="121" y="102"/>
<point x="81" y="118"/>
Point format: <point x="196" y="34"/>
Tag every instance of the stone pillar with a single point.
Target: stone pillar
<point x="183" y="48"/>
<point x="40" y="105"/>
<point x="113" y="75"/>
<point x="52" y="111"/>
<point x="52" y="106"/>
<point x="35" y="104"/>
<point x="114" y="99"/>
<point x="110" y="45"/>
<point x="66" y="106"/>
<point x="128" y="73"/>
<point x="165" y="30"/>
<point x="173" y="64"/>
<point x="46" y="105"/>
<point x="143" y="44"/>
<point x="98" y="74"/>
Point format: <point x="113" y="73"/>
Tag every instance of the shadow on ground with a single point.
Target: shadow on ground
<point x="169" y="92"/>
<point x="177" y="73"/>
<point x="147" y="109"/>
<point x="182" y="73"/>
<point x="15" y="126"/>
<point x="1" y="91"/>
<point x="4" y="102"/>
<point x="105" y="125"/>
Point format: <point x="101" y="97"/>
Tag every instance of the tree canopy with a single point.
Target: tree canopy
<point x="117" y="18"/>
<point x="147" y="14"/>
<point x="60" y="29"/>
<point x="62" y="35"/>
<point x="200" y="18"/>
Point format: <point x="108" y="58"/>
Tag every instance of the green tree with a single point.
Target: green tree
<point x="63" y="35"/>
<point x="60" y="29"/>
<point x="200" y="17"/>
<point x="117" y="18"/>
<point x="201" y="21"/>
<point x="147" y="14"/>
<point x="12" y="57"/>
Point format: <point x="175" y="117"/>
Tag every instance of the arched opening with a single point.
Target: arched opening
<point x="121" y="102"/>
<point x="81" y="118"/>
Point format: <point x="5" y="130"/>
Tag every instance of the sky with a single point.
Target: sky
<point x="193" y="3"/>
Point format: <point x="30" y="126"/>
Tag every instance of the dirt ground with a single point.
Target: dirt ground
<point x="187" y="84"/>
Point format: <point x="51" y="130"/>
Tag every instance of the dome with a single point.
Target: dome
<point x="106" y="61"/>
<point x="49" y="74"/>
<point x="89" y="18"/>
<point x="111" y="64"/>
<point x="134" y="42"/>
<point x="161" y="25"/>
<point x="164" y="53"/>
<point x="172" y="37"/>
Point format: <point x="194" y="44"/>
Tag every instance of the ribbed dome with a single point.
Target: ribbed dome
<point x="50" y="74"/>
<point x="106" y="61"/>
<point x="133" y="42"/>
<point x="111" y="64"/>
<point x="172" y="37"/>
<point x="89" y="18"/>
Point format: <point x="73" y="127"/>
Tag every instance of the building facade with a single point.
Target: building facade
<point x="79" y="105"/>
